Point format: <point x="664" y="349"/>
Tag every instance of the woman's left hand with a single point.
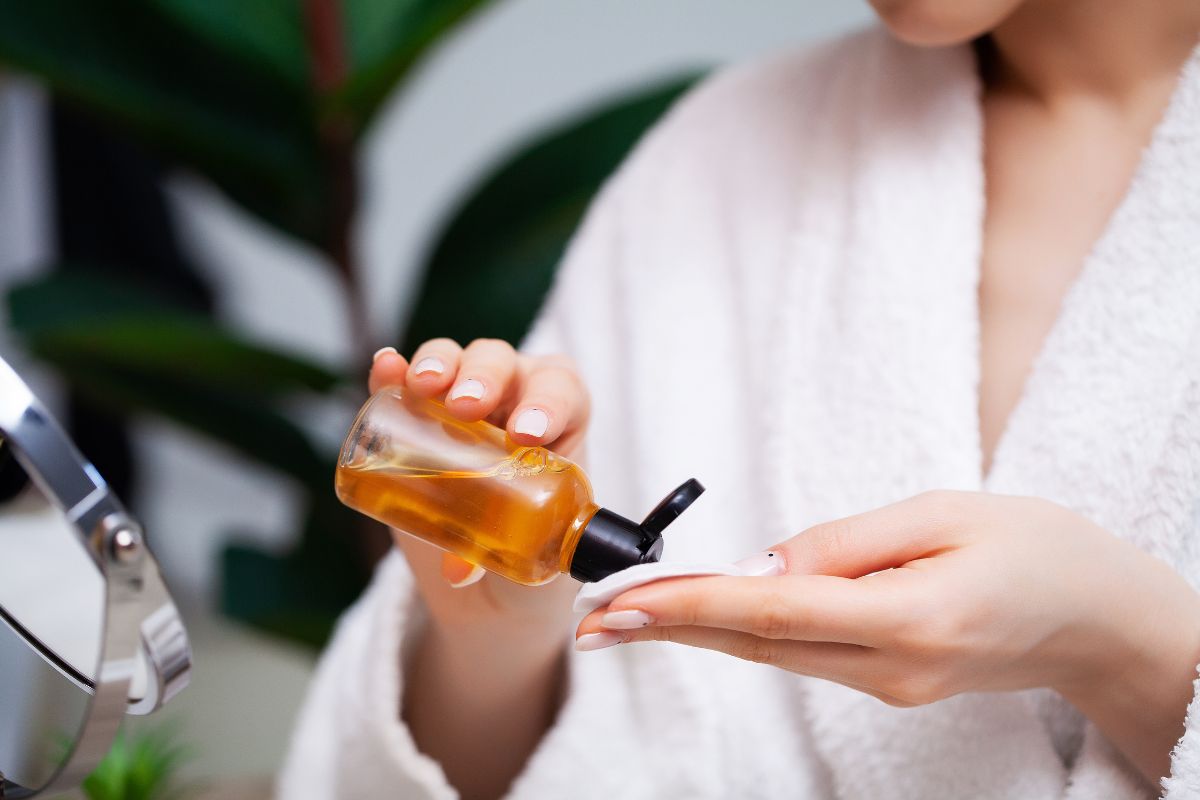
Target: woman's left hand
<point x="952" y="592"/>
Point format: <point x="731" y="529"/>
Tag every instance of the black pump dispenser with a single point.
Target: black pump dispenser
<point x="609" y="542"/>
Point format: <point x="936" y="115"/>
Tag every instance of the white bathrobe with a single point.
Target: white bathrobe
<point x="777" y="294"/>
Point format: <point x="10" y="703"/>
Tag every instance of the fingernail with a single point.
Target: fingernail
<point x="626" y="620"/>
<point x="383" y="351"/>
<point x="597" y="641"/>
<point x="429" y="364"/>
<point x="474" y="576"/>
<point x="762" y="564"/>
<point x="532" y="422"/>
<point x="468" y="388"/>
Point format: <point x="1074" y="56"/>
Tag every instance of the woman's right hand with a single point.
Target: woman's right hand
<point x="539" y="400"/>
<point x="484" y="679"/>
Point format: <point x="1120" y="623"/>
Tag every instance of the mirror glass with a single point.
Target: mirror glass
<point x="51" y="618"/>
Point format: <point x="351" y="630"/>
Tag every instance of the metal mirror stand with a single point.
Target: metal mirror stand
<point x="123" y="561"/>
<point x="140" y="620"/>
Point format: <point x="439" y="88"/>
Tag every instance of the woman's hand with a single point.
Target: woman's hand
<point x="539" y="401"/>
<point x="481" y="724"/>
<point x="953" y="592"/>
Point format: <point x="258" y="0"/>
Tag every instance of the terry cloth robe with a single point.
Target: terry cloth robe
<point x="777" y="294"/>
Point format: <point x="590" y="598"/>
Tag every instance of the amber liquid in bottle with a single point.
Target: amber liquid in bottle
<point x="519" y="513"/>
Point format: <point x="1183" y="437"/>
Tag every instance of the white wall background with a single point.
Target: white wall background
<point x="510" y="71"/>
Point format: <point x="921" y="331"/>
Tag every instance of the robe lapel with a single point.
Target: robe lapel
<point x="1111" y="400"/>
<point x="1109" y="422"/>
<point x="881" y="337"/>
<point x="881" y="340"/>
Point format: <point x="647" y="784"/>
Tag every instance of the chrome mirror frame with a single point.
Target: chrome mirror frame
<point x="141" y="621"/>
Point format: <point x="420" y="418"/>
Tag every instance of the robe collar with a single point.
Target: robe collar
<point x="879" y="334"/>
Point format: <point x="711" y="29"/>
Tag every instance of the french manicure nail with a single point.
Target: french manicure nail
<point x="383" y="351"/>
<point x="474" y="576"/>
<point x="597" y="641"/>
<point x="626" y="620"/>
<point x="532" y="422"/>
<point x="429" y="364"/>
<point x="468" y="388"/>
<point x="763" y="564"/>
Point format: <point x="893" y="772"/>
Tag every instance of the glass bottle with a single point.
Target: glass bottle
<point x="522" y="512"/>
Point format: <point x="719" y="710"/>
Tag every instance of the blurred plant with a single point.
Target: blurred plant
<point x="139" y="766"/>
<point x="269" y="101"/>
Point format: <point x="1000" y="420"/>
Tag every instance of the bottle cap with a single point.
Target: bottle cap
<point x="609" y="542"/>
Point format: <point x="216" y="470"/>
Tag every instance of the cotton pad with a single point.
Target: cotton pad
<point x="601" y="593"/>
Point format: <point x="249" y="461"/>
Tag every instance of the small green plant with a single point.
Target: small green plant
<point x="141" y="766"/>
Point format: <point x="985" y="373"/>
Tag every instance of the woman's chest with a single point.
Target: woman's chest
<point x="1053" y="177"/>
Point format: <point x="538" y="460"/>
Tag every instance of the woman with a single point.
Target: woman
<point x="938" y="272"/>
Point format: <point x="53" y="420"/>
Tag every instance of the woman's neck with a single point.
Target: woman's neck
<point x="1110" y="50"/>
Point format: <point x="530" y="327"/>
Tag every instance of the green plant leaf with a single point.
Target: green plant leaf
<point x="85" y="317"/>
<point x="270" y="34"/>
<point x="507" y="237"/>
<point x="129" y="351"/>
<point x="301" y="593"/>
<point x="386" y="38"/>
<point x="224" y="86"/>
<point x="245" y="423"/>
<point x="153" y="67"/>
<point x="140" y="766"/>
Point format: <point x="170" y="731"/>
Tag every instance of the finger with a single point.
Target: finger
<point x="859" y="668"/>
<point x="459" y="573"/>
<point x="834" y="661"/>
<point x="887" y="537"/>
<point x="553" y="405"/>
<point x="433" y="367"/>
<point x="387" y="369"/>
<point x="813" y="608"/>
<point x="484" y="376"/>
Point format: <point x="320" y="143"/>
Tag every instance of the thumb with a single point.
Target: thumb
<point x="459" y="573"/>
<point x="876" y="540"/>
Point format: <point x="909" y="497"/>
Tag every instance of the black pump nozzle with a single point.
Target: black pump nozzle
<point x="609" y="542"/>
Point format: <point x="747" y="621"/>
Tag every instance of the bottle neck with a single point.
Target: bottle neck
<point x="574" y="531"/>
